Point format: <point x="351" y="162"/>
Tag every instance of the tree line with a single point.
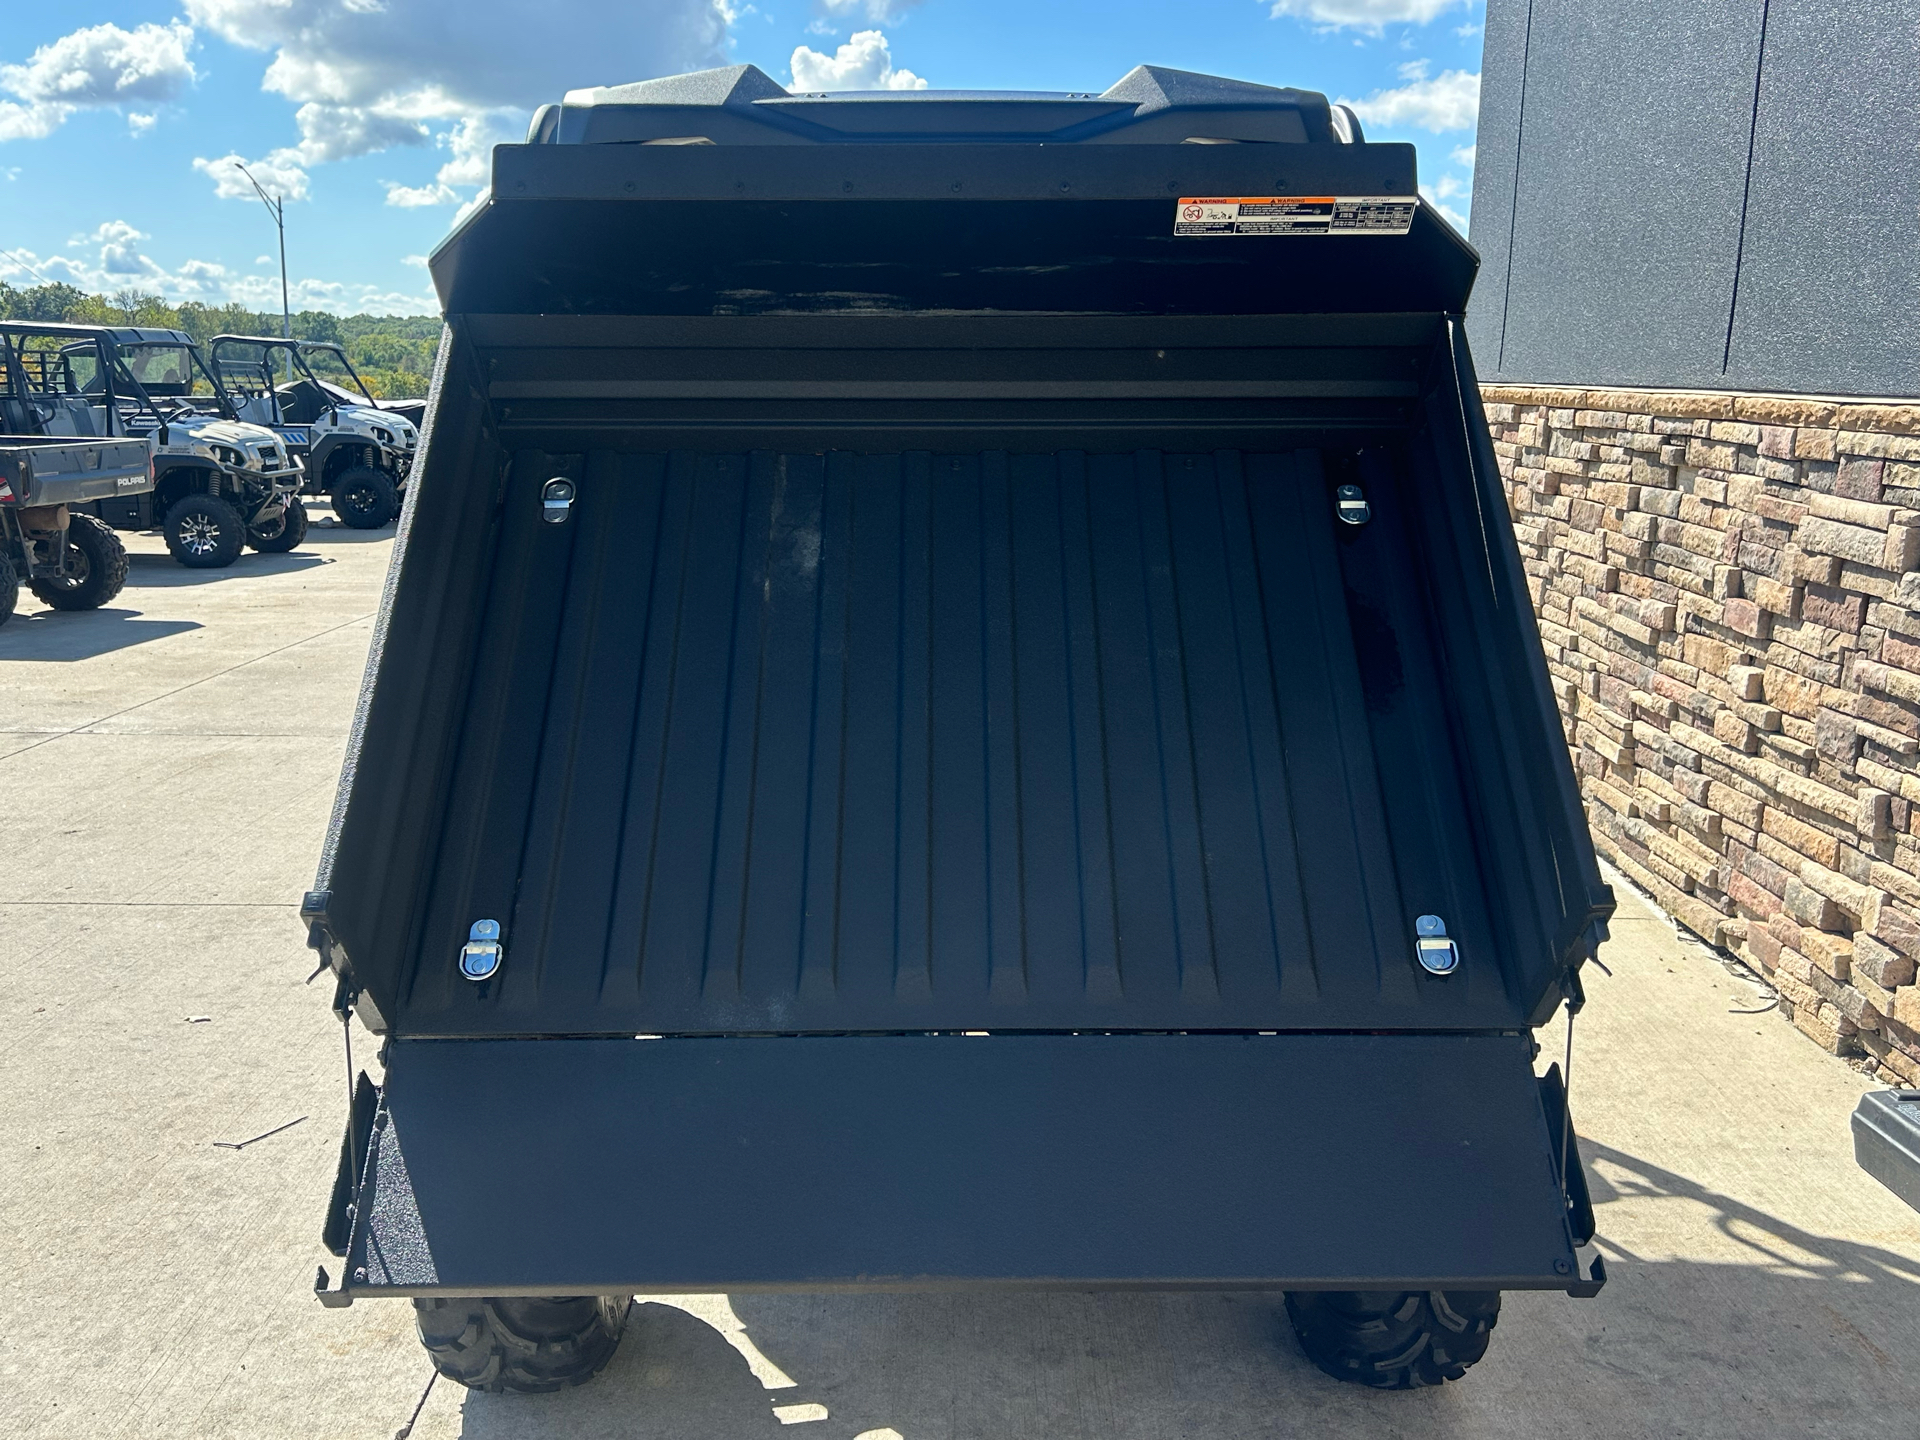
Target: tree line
<point x="393" y="353"/>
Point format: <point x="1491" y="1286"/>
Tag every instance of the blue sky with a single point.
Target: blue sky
<point x="120" y="120"/>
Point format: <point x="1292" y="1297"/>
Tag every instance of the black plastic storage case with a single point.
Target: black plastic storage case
<point x="954" y="640"/>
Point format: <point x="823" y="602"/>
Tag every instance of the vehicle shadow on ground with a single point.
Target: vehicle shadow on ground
<point x="324" y="532"/>
<point x="60" y="636"/>
<point x="1807" y="1337"/>
<point x="163" y="572"/>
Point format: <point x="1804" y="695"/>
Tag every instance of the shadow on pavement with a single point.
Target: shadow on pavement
<point x="81" y="635"/>
<point x="1809" y="1338"/>
<point x="163" y="572"/>
<point x="331" y="532"/>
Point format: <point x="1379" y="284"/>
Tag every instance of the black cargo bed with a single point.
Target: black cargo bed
<point x="955" y="794"/>
<point x="955" y="741"/>
<point x="887" y="735"/>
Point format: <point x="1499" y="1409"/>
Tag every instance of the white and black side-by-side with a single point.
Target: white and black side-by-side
<point x="956" y="709"/>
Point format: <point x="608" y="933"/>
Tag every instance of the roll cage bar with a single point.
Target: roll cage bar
<point x="297" y="353"/>
<point x="116" y="380"/>
<point x="20" y="377"/>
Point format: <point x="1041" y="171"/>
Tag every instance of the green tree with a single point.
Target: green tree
<point x="393" y="353"/>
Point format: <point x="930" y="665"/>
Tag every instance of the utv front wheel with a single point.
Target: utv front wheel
<point x="364" y="498"/>
<point x="282" y="532"/>
<point x="1394" y="1340"/>
<point x="9" y="589"/>
<point x="96" y="568"/>
<point x="526" y="1345"/>
<point x="204" y="532"/>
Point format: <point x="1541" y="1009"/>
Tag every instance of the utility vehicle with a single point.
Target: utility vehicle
<point x="69" y="560"/>
<point x="354" y="452"/>
<point x="957" y="709"/>
<point x="219" y="484"/>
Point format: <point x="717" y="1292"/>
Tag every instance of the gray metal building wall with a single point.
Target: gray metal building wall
<point x="1715" y="194"/>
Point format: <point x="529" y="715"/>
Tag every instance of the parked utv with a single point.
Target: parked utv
<point x="353" y="451"/>
<point x="956" y="711"/>
<point x="219" y="484"/>
<point x="70" y="561"/>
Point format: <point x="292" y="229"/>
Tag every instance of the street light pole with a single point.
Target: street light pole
<point x="277" y="208"/>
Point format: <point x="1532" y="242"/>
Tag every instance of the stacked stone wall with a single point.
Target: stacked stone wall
<point x="1728" y="595"/>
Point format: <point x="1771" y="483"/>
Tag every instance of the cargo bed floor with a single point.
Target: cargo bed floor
<point x="973" y="741"/>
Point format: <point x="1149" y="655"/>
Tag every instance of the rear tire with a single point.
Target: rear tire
<point x="1394" y="1340"/>
<point x="204" y="532"/>
<point x="9" y="589"/>
<point x="283" y="533"/>
<point x="100" y="571"/>
<point x="525" y="1345"/>
<point x="364" y="498"/>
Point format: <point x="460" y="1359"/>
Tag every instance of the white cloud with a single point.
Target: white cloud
<point x="30" y="122"/>
<point x="262" y="292"/>
<point x="105" y="260"/>
<point x="117" y="254"/>
<point x="1436" y="196"/>
<point x="1363" y="14"/>
<point x="105" y="65"/>
<point x="412" y="197"/>
<point x="138" y="124"/>
<point x="369" y="75"/>
<point x="279" y="173"/>
<point x="864" y="63"/>
<point x="97" y="66"/>
<point x="1464" y="156"/>
<point x="340" y="132"/>
<point x="471" y="142"/>
<point x="879" y="12"/>
<point x="108" y="261"/>
<point x="485" y="54"/>
<point x="1449" y="101"/>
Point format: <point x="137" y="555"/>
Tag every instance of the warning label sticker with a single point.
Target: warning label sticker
<point x="1295" y="215"/>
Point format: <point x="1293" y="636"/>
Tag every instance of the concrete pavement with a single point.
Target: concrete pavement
<point x="166" y="768"/>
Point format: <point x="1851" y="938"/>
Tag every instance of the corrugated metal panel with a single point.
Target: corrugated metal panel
<point x="872" y="742"/>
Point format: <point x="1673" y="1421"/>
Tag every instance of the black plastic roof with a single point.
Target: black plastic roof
<point x="743" y="105"/>
<point x="119" y="334"/>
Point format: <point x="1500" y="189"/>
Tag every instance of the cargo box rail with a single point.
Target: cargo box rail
<point x="57" y="471"/>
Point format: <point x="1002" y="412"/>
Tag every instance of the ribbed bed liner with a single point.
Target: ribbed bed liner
<point x="879" y="742"/>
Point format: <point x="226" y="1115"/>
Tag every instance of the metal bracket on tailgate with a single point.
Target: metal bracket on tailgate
<point x="1573" y="1182"/>
<point x="337" y="1232"/>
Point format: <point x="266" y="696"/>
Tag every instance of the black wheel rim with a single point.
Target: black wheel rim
<point x="79" y="568"/>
